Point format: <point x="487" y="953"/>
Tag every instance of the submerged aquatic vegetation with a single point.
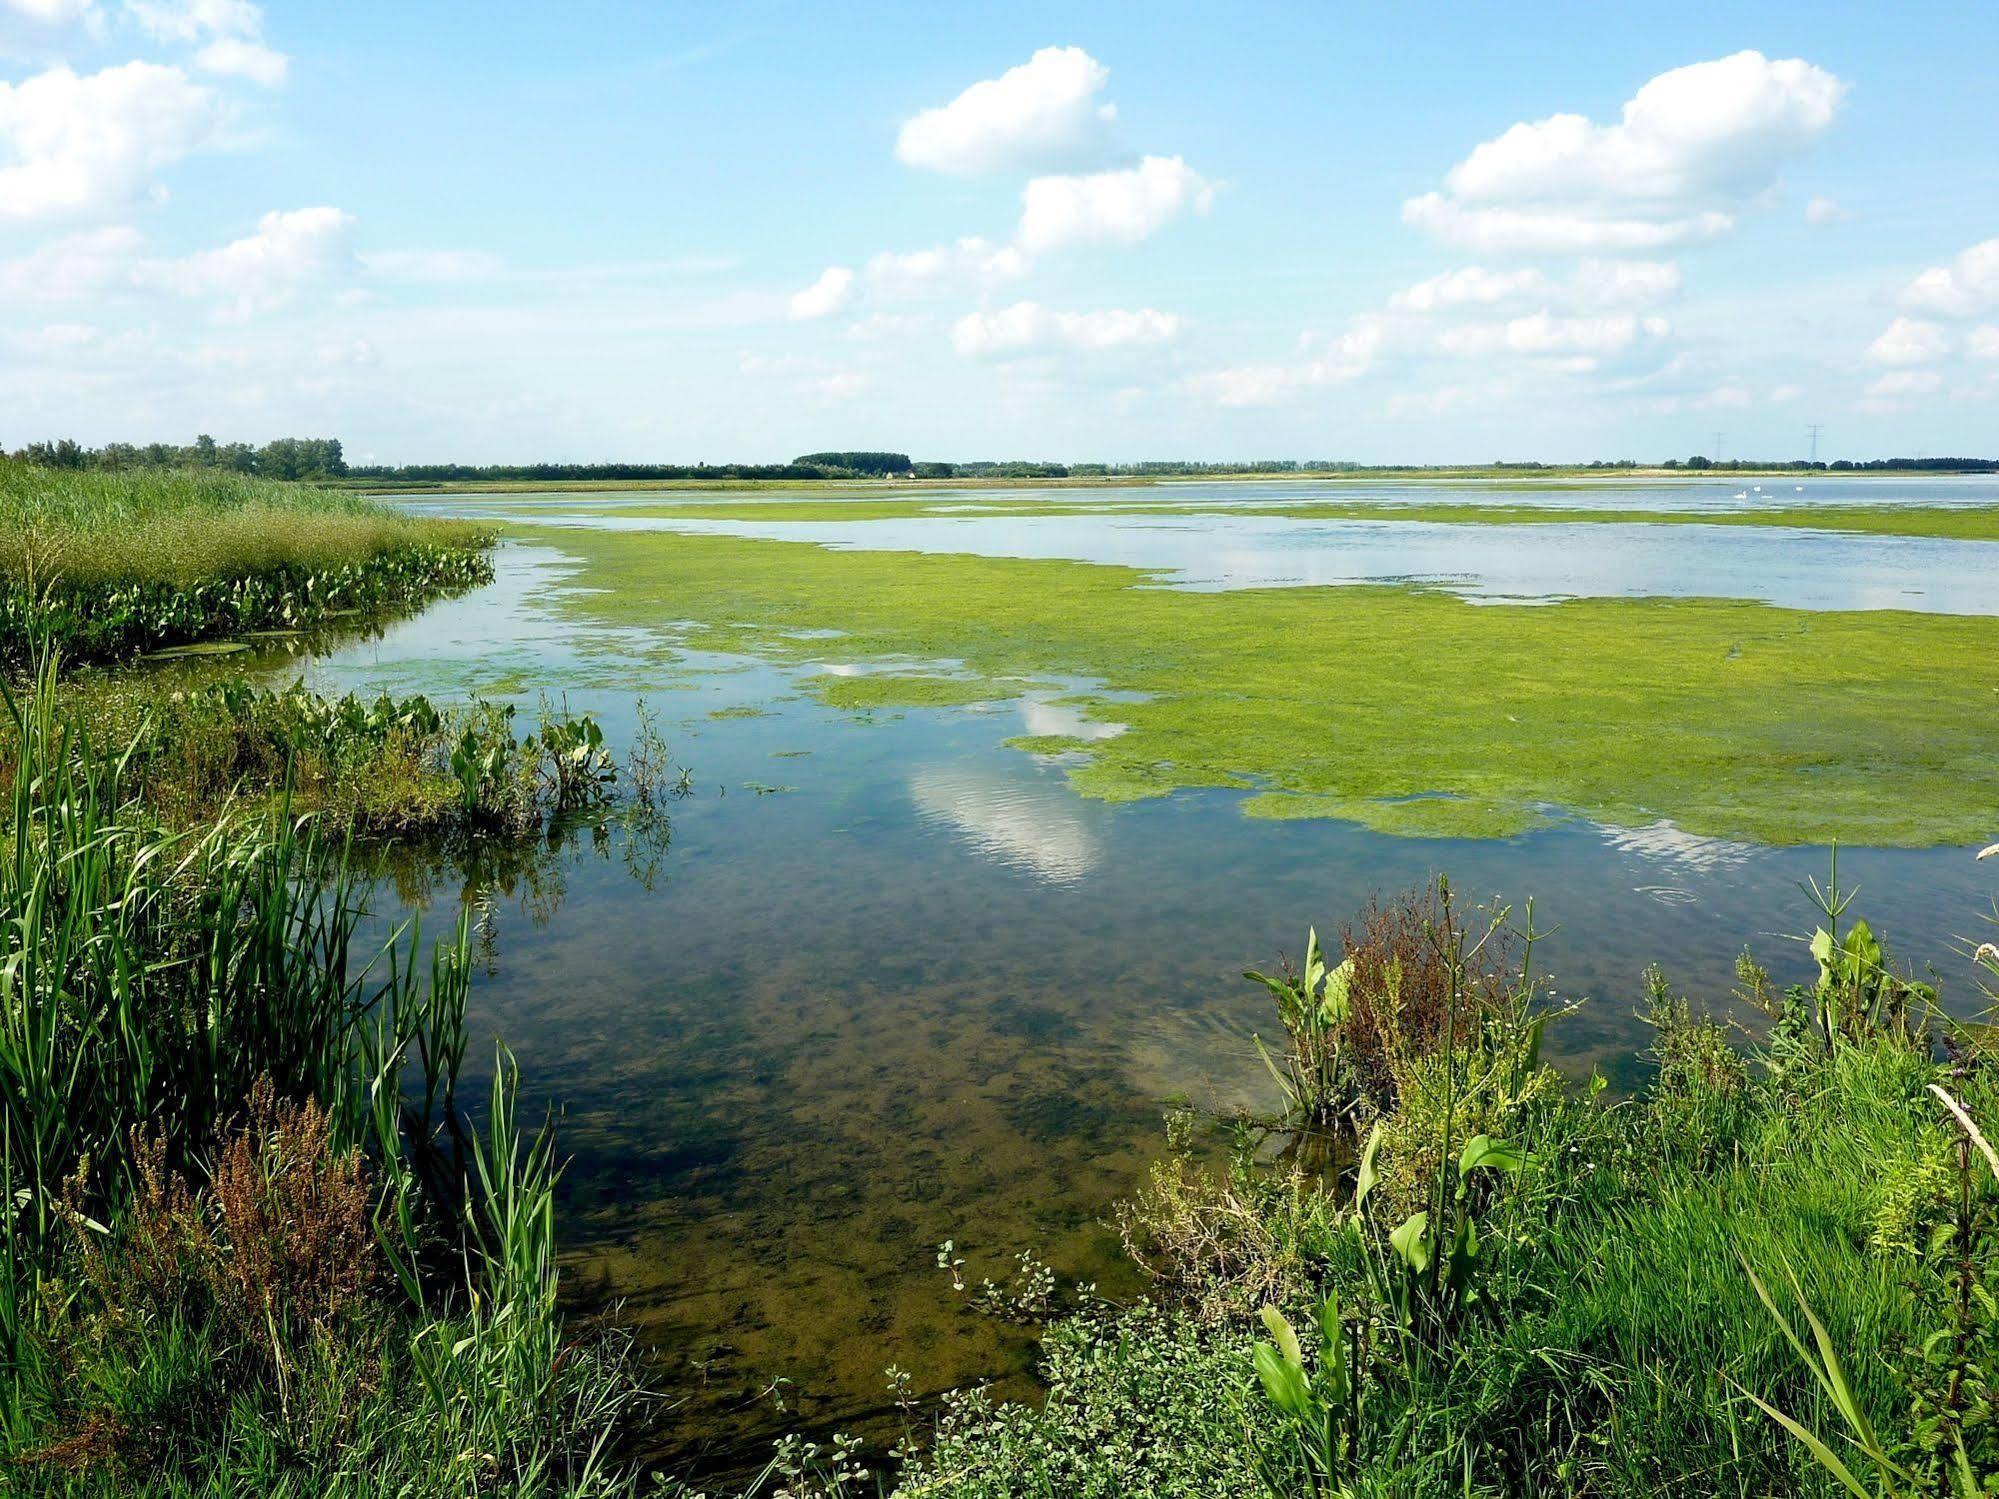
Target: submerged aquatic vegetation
<point x="1402" y="709"/>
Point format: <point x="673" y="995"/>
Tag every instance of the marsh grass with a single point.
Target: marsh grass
<point x="252" y="1243"/>
<point x="110" y="563"/>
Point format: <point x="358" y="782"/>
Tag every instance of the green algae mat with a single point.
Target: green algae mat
<point x="1404" y="709"/>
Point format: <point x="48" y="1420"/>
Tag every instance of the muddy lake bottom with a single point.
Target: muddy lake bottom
<point x="886" y="982"/>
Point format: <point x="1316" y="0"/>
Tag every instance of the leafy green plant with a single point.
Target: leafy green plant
<point x="1317" y="1449"/>
<point x="1314" y="1007"/>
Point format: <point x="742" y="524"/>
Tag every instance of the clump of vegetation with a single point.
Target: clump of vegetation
<point x="1774" y="1271"/>
<point x="1412" y="982"/>
<point x="387" y="768"/>
<point x="250" y="1242"/>
<point x="107" y="564"/>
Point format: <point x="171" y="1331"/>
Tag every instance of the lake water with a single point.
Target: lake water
<point x="1796" y="568"/>
<point x="889" y="983"/>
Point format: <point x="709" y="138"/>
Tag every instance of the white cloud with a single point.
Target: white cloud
<point x="970" y="261"/>
<point x="1783" y="395"/>
<point x="1120" y="207"/>
<point x="1027" y="326"/>
<point x="1593" y="284"/>
<point x="231" y="34"/>
<point x="1824" y="211"/>
<point x="262" y="270"/>
<point x="1983" y="342"/>
<point x="1471" y="285"/>
<point x="432" y="265"/>
<point x="826" y="296"/>
<point x="1503" y="231"/>
<point x="85" y="144"/>
<point x="1966" y="287"/>
<point x="1909" y="341"/>
<point x="72" y="267"/>
<point x="238" y="57"/>
<point x="1544" y="334"/>
<point x="1692" y="145"/>
<point x="1041" y="114"/>
<point x="51" y="12"/>
<point x="1623" y="283"/>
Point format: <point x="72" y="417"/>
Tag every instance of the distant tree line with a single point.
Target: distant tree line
<point x="321" y="458"/>
<point x="860" y="463"/>
<point x="441" y="473"/>
<point x="1841" y="465"/>
<point x="284" y="458"/>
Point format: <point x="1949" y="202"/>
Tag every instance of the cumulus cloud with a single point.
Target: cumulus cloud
<point x="826" y="296"/>
<point x="262" y="270"/>
<point x="1118" y="207"/>
<point x="1966" y="287"/>
<point x="1041" y="114"/>
<point x="1983" y="342"/>
<point x="230" y="34"/>
<point x="1028" y="326"/>
<point x="1909" y="341"/>
<point x="1691" y="146"/>
<point x="1823" y="210"/>
<point x="87" y="143"/>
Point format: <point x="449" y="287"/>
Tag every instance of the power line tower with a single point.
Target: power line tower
<point x="1718" y="437"/>
<point x="1812" y="430"/>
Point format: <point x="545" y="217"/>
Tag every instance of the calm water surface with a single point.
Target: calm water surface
<point x="889" y="983"/>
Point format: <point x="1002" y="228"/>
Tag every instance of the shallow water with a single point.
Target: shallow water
<point x="1794" y="568"/>
<point x="891" y="983"/>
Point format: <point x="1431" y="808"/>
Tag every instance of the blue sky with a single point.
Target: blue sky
<point x="677" y="232"/>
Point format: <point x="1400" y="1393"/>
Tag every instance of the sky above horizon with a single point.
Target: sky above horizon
<point x="675" y="233"/>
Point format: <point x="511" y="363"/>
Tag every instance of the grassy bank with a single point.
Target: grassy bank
<point x="1405" y="710"/>
<point x="112" y="564"/>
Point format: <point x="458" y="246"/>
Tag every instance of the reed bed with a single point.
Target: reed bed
<point x="111" y="563"/>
